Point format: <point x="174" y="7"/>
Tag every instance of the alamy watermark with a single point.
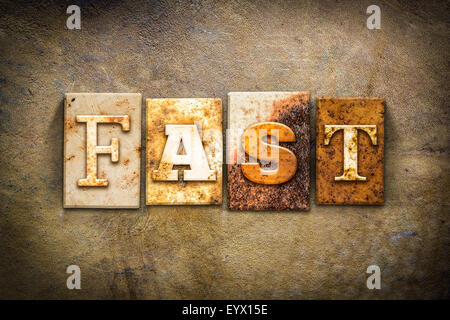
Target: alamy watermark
<point x="374" y="280"/>
<point x="73" y="22"/>
<point x="374" y="20"/>
<point x="74" y="280"/>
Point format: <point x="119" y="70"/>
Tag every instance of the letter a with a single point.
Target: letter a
<point x="74" y="20"/>
<point x="194" y="155"/>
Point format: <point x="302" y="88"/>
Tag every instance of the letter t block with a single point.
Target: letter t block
<point x="350" y="151"/>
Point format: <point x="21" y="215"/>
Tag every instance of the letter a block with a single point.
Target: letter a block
<point x="268" y="151"/>
<point x="184" y="151"/>
<point x="102" y="148"/>
<point x="350" y="151"/>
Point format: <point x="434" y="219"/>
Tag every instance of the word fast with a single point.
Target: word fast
<point x="185" y="146"/>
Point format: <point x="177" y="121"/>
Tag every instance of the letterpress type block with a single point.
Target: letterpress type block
<point x="268" y="151"/>
<point x="184" y="151"/>
<point x="350" y="151"/>
<point x="102" y="147"/>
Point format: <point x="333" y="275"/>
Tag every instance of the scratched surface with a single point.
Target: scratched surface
<point x="370" y="158"/>
<point x="207" y="49"/>
<point x="123" y="175"/>
<point x="207" y="115"/>
<point x="248" y="108"/>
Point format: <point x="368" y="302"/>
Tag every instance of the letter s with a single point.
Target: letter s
<point x="257" y="148"/>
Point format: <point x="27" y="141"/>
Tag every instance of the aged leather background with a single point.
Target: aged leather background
<point x="206" y="49"/>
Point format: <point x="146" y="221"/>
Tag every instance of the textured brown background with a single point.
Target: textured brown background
<point x="193" y="49"/>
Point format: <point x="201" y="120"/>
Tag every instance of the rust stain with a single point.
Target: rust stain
<point x="92" y="149"/>
<point x="350" y="162"/>
<point x="70" y="125"/>
<point x="162" y="112"/>
<point x="244" y="194"/>
<point x="99" y="115"/>
<point x="122" y="103"/>
<point x="69" y="158"/>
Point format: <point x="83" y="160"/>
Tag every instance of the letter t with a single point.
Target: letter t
<point x="350" y="147"/>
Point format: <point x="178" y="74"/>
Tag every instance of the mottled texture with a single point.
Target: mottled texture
<point x="330" y="158"/>
<point x="206" y="114"/>
<point x="118" y="181"/>
<point x="207" y="49"/>
<point x="290" y="109"/>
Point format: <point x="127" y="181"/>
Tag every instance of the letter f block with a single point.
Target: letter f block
<point x="102" y="150"/>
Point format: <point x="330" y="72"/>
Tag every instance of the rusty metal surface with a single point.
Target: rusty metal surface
<point x="206" y="116"/>
<point x="102" y="150"/>
<point x="290" y="109"/>
<point x="207" y="49"/>
<point x="361" y="122"/>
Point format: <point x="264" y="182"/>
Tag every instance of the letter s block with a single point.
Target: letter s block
<point x="102" y="147"/>
<point x="268" y="150"/>
<point x="350" y="151"/>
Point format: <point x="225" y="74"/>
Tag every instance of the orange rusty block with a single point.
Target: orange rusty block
<point x="350" y="151"/>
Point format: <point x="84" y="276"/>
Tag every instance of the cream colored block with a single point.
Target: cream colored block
<point x="102" y="150"/>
